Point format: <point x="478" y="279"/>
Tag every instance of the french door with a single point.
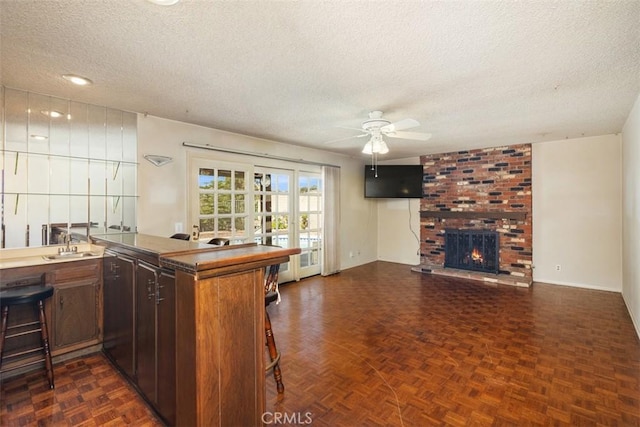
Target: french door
<point x="273" y="212"/>
<point x="266" y="205"/>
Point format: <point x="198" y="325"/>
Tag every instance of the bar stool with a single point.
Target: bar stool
<point x="219" y="241"/>
<point x="31" y="294"/>
<point x="272" y="295"/>
<point x="181" y="236"/>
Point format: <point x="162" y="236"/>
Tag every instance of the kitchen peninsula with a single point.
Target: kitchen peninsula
<point x="196" y="315"/>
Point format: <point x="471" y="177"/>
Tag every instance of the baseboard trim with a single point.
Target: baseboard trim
<point x="636" y="323"/>
<point x="576" y="285"/>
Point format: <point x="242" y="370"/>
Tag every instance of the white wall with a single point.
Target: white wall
<point x="631" y="214"/>
<point x="577" y="212"/>
<point x="399" y="225"/>
<point x="163" y="192"/>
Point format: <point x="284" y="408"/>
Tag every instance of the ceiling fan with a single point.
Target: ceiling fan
<point x="377" y="127"/>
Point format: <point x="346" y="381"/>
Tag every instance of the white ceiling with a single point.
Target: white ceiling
<point x="473" y="73"/>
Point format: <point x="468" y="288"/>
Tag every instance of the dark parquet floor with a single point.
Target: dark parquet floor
<point x="379" y="345"/>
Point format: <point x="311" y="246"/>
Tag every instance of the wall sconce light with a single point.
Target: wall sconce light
<point x="158" y="160"/>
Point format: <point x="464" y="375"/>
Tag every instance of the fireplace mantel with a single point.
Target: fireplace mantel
<point x="474" y="215"/>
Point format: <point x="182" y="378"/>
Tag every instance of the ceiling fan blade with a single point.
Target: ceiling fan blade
<point x="401" y="125"/>
<point x="410" y="135"/>
<point x="333" y="141"/>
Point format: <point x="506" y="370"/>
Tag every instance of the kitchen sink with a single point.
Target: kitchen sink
<point x="70" y="255"/>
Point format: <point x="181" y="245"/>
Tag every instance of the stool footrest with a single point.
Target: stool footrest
<point x="19" y="334"/>
<point x="273" y="363"/>
<point x="22" y="353"/>
<point x="23" y="325"/>
<point x="22" y="365"/>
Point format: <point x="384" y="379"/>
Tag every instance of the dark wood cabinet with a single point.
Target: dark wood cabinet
<point x="119" y="299"/>
<point x="76" y="305"/>
<point x="76" y="317"/>
<point x="210" y="370"/>
<point x="74" y="312"/>
<point x="155" y="337"/>
<point x="146" y="278"/>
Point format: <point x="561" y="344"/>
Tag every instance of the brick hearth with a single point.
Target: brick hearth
<point x="485" y="189"/>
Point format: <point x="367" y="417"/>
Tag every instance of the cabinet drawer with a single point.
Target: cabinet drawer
<point x="77" y="271"/>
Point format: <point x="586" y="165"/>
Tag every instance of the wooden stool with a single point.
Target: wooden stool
<point x="32" y="294"/>
<point x="271" y="295"/>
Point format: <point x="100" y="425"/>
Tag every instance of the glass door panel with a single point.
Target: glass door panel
<point x="219" y="208"/>
<point x="310" y="222"/>
<point x="273" y="209"/>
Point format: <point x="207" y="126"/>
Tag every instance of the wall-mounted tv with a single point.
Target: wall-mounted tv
<point x="393" y="181"/>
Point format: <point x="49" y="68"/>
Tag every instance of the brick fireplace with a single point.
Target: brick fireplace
<point x="485" y="190"/>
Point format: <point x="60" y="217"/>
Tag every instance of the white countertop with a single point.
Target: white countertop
<point x="25" y="257"/>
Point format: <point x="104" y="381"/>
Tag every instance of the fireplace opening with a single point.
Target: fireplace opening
<point x="476" y="250"/>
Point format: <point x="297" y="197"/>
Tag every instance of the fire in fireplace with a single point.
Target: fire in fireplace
<point x="476" y="250"/>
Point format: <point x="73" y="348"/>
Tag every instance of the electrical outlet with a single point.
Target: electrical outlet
<point x="557" y="267"/>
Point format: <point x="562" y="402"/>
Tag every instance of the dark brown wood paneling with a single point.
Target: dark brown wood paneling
<point x="238" y="350"/>
<point x="166" y="356"/>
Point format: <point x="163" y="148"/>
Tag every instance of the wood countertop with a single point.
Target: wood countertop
<point x="227" y="258"/>
<point x="194" y="257"/>
<point x="148" y="244"/>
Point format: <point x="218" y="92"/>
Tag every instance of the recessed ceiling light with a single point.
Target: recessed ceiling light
<point x="54" y="114"/>
<point x="39" y="137"/>
<point x="77" y="80"/>
<point x="164" y="2"/>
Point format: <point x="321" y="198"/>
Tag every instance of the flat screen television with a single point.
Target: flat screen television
<point x="393" y="181"/>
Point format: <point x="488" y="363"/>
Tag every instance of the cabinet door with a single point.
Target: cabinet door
<point x="76" y="313"/>
<point x="118" y="311"/>
<point x="166" y="309"/>
<point x="146" y="278"/>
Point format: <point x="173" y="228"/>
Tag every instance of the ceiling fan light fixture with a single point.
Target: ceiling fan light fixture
<point x="380" y="147"/>
<point x="375" y="145"/>
<point x="368" y="148"/>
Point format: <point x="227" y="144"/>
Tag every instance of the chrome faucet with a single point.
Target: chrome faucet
<point x="67" y="250"/>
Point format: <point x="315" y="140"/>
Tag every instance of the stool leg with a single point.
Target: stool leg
<point x="5" y="317"/>
<point x="273" y="352"/>
<point x="45" y="344"/>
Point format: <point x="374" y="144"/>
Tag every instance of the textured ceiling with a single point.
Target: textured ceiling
<point x="474" y="74"/>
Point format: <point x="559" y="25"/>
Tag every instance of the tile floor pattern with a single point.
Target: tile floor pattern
<point x="378" y="345"/>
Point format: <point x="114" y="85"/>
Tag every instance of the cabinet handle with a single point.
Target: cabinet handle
<point x="61" y="301"/>
<point x="158" y="299"/>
